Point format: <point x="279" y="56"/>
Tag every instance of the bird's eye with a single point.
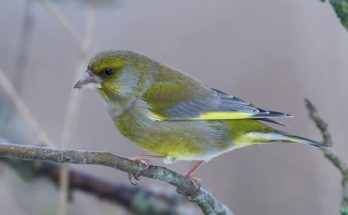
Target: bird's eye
<point x="108" y="71"/>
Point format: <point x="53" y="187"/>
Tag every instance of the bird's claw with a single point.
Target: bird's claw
<point x="134" y="178"/>
<point x="196" y="182"/>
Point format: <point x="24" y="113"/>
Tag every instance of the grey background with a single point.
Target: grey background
<point x="273" y="53"/>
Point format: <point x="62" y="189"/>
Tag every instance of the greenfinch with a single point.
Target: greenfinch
<point x="175" y="116"/>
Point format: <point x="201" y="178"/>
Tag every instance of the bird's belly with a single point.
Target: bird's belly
<point x="185" y="140"/>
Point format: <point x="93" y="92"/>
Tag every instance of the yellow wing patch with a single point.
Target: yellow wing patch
<point x="206" y="116"/>
<point x="222" y="115"/>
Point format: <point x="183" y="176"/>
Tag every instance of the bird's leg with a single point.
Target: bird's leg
<point x="144" y="159"/>
<point x="189" y="172"/>
<point x="194" y="180"/>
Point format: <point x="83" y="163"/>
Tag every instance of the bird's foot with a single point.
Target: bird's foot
<point x="146" y="161"/>
<point x="196" y="182"/>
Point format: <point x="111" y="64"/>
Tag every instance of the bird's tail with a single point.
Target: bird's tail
<point x="298" y="139"/>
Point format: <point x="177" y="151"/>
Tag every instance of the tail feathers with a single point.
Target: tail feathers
<point x="298" y="139"/>
<point x="253" y="138"/>
<point x="272" y="121"/>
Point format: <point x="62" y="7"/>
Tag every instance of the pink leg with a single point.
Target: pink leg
<point x="194" y="180"/>
<point x="145" y="159"/>
<point x="193" y="168"/>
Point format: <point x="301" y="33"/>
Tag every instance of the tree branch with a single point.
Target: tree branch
<point x="136" y="199"/>
<point x="330" y="154"/>
<point x="208" y="204"/>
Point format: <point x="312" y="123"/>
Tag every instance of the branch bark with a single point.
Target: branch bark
<point x="136" y="199"/>
<point x="330" y="154"/>
<point x="208" y="204"/>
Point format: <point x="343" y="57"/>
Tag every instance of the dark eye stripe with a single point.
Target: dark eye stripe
<point x="108" y="71"/>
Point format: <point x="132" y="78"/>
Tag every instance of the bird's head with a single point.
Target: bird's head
<point x="116" y="74"/>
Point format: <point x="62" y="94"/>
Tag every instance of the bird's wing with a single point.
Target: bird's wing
<point x="168" y="101"/>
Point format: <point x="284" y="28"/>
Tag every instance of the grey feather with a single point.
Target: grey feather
<point x="219" y="101"/>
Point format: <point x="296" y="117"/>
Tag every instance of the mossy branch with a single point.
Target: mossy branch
<point x="330" y="154"/>
<point x="208" y="204"/>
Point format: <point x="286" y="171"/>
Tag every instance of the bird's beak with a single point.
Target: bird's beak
<point x="88" y="80"/>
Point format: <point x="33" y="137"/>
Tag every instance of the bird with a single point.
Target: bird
<point x="174" y="115"/>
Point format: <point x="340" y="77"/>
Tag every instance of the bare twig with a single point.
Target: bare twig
<point x="72" y="110"/>
<point x="74" y="99"/>
<point x="207" y="203"/>
<point x="23" y="46"/>
<point x="330" y="154"/>
<point x="24" y="111"/>
<point x="67" y="26"/>
<point x="136" y="199"/>
<point x="90" y="24"/>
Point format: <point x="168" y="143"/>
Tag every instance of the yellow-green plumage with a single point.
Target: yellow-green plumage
<point x="170" y="113"/>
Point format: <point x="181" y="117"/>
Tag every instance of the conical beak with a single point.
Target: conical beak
<point x="88" y="80"/>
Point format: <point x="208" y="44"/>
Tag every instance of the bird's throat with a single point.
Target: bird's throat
<point x="115" y="103"/>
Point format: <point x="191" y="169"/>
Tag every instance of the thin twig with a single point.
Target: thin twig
<point x="74" y="99"/>
<point x="67" y="26"/>
<point x="90" y="24"/>
<point x="24" y="45"/>
<point x="330" y="154"/>
<point x="73" y="107"/>
<point x="207" y="203"/>
<point x="136" y="199"/>
<point x="24" y="111"/>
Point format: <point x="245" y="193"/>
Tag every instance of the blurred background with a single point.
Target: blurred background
<point x="273" y="53"/>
